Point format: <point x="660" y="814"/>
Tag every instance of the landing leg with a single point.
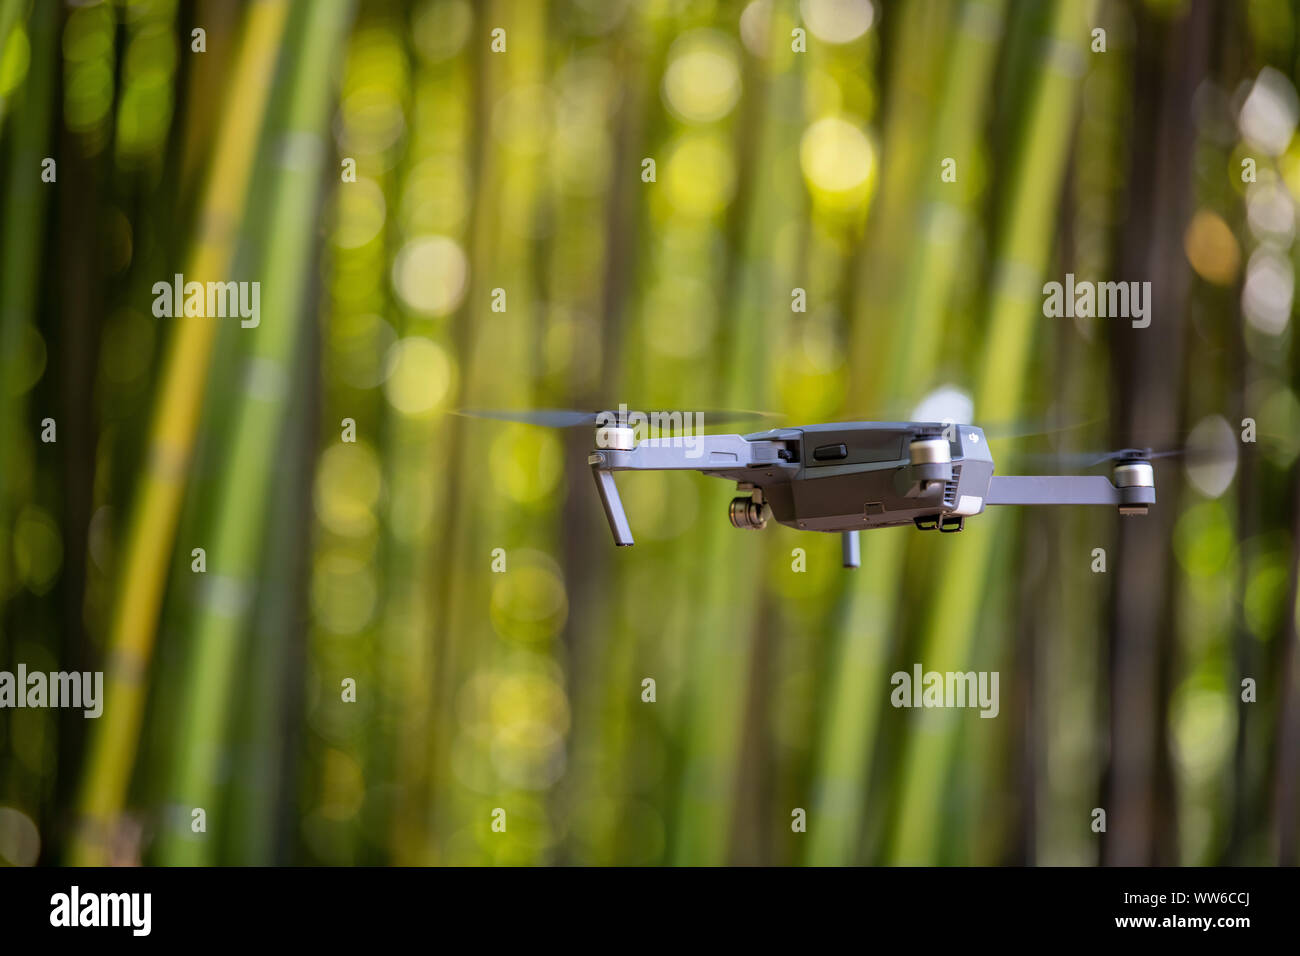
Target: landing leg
<point x="613" y="506"/>
<point x="851" y="549"/>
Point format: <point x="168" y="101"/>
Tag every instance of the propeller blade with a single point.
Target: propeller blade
<point x="1190" y="454"/>
<point x="1004" y="430"/>
<point x="545" y="417"/>
<point x="1029" y="428"/>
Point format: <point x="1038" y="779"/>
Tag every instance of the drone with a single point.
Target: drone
<point x="846" y="477"/>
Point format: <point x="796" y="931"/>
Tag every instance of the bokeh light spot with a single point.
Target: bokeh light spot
<point x="1212" y="248"/>
<point x="1270" y="211"/>
<point x="529" y="604"/>
<point x="1269" y="113"/>
<point x="430" y="275"/>
<point x="838" y="161"/>
<point x="20" y="840"/>
<point x="838" y="21"/>
<point x="342" y="786"/>
<point x="756" y="26"/>
<point x="701" y="176"/>
<point x="38" y="549"/>
<point x="702" y="82"/>
<point x="946" y="403"/>
<point x="1203" y="725"/>
<point x="526" y="463"/>
<point x="1211" y="456"/>
<point x="439" y="30"/>
<point x="419" y="376"/>
<point x="361" y="213"/>
<point x="1269" y="289"/>
<point x="348" y="484"/>
<point x="523" y="119"/>
<point x="343" y="591"/>
<point x="1203" y="539"/>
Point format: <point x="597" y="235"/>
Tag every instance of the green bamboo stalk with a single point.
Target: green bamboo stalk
<point x="866" y="636"/>
<point x="606" y="722"/>
<point x="297" y="147"/>
<point x="268" y="697"/>
<point x="386" y="652"/>
<point x="23" y="218"/>
<point x="717" y="646"/>
<point x="498" y="359"/>
<point x="22" y="229"/>
<point x="10" y="10"/>
<point x="151" y="528"/>
<point x="407" y="656"/>
<point x="1283" y="831"/>
<point x="591" y="279"/>
<point x="1068" y="693"/>
<point x="1015" y="312"/>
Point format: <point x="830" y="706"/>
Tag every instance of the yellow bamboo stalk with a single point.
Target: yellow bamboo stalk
<point x="149" y="545"/>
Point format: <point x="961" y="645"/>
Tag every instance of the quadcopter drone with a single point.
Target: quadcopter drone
<point x="845" y="477"/>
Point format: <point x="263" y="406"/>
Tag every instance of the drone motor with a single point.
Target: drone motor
<point x="1136" y="481"/>
<point x="616" y="437"/>
<point x="931" y="460"/>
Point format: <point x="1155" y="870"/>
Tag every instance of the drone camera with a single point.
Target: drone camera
<point x="748" y="513"/>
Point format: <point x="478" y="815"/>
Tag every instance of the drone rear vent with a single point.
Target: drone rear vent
<point x="950" y="488"/>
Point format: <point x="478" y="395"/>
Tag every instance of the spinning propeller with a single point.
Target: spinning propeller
<point x="573" y="418"/>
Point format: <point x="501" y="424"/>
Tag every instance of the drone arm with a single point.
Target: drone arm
<point x="703" y="453"/>
<point x="1052" y="490"/>
<point x="613" y="505"/>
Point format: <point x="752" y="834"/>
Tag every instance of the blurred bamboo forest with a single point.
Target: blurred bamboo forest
<point x="506" y="244"/>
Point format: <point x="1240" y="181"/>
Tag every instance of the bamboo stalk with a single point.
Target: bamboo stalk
<point x="23" y="218"/>
<point x="297" y="150"/>
<point x="496" y="365"/>
<point x="1015" y="312"/>
<point x="721" y="654"/>
<point x="408" y="654"/>
<point x="22" y="238"/>
<point x="270" y="698"/>
<point x="148" y="554"/>
<point x="10" y="10"/>
<point x="851" y="720"/>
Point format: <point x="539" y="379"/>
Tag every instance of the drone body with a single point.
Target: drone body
<point x="848" y="476"/>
